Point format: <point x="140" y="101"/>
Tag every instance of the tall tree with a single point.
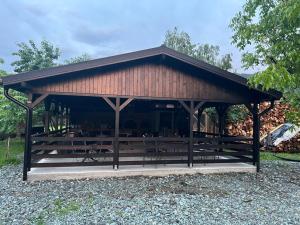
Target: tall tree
<point x="11" y="123"/>
<point x="182" y="42"/>
<point x="271" y="30"/>
<point x="32" y="57"/>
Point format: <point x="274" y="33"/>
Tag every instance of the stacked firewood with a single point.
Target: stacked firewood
<point x="292" y="145"/>
<point x="269" y="121"/>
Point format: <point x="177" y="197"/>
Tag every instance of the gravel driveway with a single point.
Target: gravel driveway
<point x="273" y="197"/>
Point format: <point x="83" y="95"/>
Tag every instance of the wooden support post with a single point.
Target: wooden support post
<point x="61" y="124"/>
<point x="28" y="132"/>
<point x="200" y="110"/>
<point x="117" y="131"/>
<point x="28" y="140"/>
<point x="221" y="110"/>
<point x="256" y="147"/>
<point x="190" y="153"/>
<point x="199" y="121"/>
<point x="68" y="118"/>
<point x="47" y="115"/>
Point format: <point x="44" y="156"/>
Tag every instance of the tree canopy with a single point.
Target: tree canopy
<point x="82" y="58"/>
<point x="32" y="57"/>
<point x="181" y="41"/>
<point x="268" y="33"/>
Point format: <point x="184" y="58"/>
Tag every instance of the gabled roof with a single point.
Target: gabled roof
<point x="128" y="57"/>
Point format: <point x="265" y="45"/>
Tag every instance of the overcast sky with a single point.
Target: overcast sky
<point x="107" y="27"/>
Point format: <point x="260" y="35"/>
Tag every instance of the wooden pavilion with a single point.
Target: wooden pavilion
<point x="135" y="109"/>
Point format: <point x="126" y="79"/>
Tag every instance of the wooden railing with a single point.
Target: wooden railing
<point x="96" y="151"/>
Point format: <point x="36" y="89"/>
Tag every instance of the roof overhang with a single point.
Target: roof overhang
<point x="23" y="78"/>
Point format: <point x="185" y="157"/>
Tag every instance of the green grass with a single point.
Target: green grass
<point x="270" y="156"/>
<point x="63" y="208"/>
<point x="13" y="155"/>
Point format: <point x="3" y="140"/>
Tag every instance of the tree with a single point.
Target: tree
<point x="181" y="41"/>
<point x="271" y="29"/>
<point x="12" y="118"/>
<point x="32" y="57"/>
<point x="82" y="58"/>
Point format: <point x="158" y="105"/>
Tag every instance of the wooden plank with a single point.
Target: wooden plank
<point x="222" y="153"/>
<point x="147" y="162"/>
<point x="67" y="156"/>
<point x="71" y="147"/>
<point x="154" y="154"/>
<point x="225" y="146"/>
<point x="223" y="160"/>
<point x="74" y="139"/>
<point x="71" y="164"/>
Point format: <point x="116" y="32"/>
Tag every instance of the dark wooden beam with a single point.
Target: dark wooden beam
<point x="190" y="149"/>
<point x="26" y="86"/>
<point x="256" y="144"/>
<point x="38" y="100"/>
<point x="47" y="117"/>
<point x="110" y="102"/>
<point x="117" y="132"/>
<point x="199" y="105"/>
<point x="126" y="103"/>
<point x="267" y="109"/>
<point x="184" y="105"/>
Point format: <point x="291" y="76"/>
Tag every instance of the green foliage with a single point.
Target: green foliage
<point x="82" y="58"/>
<point x="63" y="208"/>
<point x="271" y="29"/>
<point x="32" y="57"/>
<point x="11" y="155"/>
<point x="181" y="41"/>
<point x="12" y="117"/>
<point x="237" y="113"/>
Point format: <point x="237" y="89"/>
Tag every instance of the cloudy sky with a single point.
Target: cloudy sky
<point x="107" y="27"/>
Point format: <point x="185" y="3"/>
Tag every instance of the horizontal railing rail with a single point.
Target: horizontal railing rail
<point x="139" y="150"/>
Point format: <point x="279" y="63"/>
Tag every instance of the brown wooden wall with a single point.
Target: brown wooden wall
<point x="146" y="80"/>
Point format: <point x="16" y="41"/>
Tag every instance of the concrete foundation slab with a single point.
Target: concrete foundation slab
<point x="55" y="173"/>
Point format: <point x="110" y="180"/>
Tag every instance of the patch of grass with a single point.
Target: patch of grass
<point x="270" y="156"/>
<point x="11" y="155"/>
<point x="63" y="208"/>
<point x="90" y="200"/>
<point x="40" y="220"/>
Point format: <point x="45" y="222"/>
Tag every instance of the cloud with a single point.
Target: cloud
<point x="103" y="28"/>
<point x="91" y="35"/>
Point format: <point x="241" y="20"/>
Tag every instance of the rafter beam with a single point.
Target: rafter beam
<point x="126" y="103"/>
<point x="199" y="105"/>
<point x="184" y="105"/>
<point x="110" y="103"/>
<point x="38" y="101"/>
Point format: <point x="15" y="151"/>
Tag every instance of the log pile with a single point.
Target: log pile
<point x="292" y="145"/>
<point x="269" y="121"/>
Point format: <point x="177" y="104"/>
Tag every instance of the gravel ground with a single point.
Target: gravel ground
<point x="272" y="197"/>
